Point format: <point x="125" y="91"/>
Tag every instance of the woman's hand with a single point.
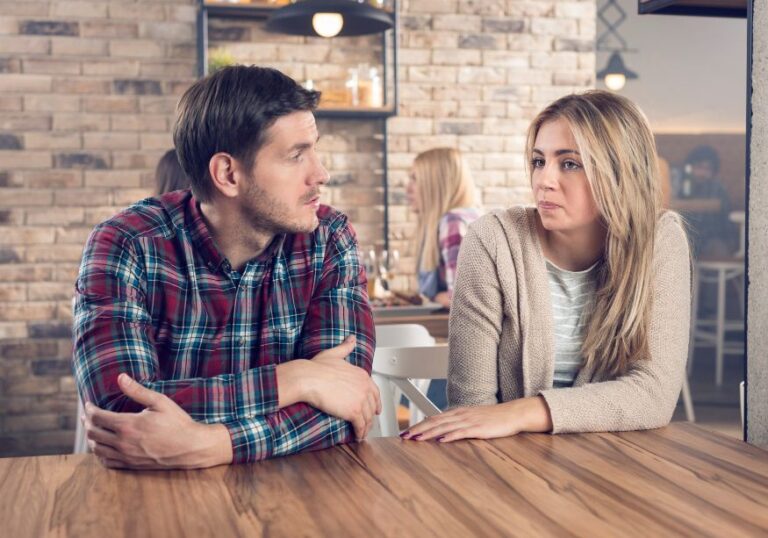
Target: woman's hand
<point x="484" y="422"/>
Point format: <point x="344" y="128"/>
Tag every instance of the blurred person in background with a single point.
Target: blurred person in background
<point x="169" y="175"/>
<point x="442" y="194"/>
<point x="711" y="231"/>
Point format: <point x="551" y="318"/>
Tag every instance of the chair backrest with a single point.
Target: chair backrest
<point x="403" y="335"/>
<point x="398" y="366"/>
<point x="81" y="442"/>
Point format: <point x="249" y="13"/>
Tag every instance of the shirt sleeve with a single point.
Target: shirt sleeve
<point x="113" y="334"/>
<point x="338" y="308"/>
<point x="451" y="232"/>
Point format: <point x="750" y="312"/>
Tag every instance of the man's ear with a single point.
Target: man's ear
<point x="226" y="173"/>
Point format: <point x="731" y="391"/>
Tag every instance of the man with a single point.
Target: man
<point x="711" y="232"/>
<point x="205" y="321"/>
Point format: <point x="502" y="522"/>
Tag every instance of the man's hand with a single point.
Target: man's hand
<point x="342" y="389"/>
<point x="162" y="436"/>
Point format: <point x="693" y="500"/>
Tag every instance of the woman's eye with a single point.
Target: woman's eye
<point x="571" y="165"/>
<point x="537" y="163"/>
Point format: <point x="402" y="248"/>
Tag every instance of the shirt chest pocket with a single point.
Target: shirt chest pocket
<point x="282" y="341"/>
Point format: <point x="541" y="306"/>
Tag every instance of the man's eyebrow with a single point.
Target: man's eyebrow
<point x="301" y="146"/>
<point x="558" y="152"/>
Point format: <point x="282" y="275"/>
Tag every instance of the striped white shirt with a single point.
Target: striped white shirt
<point x="571" y="293"/>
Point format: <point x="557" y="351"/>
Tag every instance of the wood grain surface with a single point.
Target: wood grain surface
<point x="679" y="480"/>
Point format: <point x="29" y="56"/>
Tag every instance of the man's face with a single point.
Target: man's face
<point x="282" y="194"/>
<point x="702" y="170"/>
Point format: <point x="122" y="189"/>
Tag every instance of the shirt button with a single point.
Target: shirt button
<point x="241" y="341"/>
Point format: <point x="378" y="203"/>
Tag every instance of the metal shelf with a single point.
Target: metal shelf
<point x="703" y="8"/>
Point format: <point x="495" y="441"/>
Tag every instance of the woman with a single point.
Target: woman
<point x="573" y="316"/>
<point x="169" y="176"/>
<point x="442" y="194"/>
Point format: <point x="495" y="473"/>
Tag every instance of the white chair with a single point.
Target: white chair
<point x="81" y="443"/>
<point x="397" y="366"/>
<point x="406" y="335"/>
<point x="712" y="332"/>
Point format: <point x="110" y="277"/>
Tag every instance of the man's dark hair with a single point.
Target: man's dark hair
<point x="704" y="153"/>
<point x="169" y="175"/>
<point x="231" y="111"/>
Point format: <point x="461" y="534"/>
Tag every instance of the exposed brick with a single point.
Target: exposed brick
<point x="229" y="33"/>
<point x="145" y="11"/>
<point x="12" y="292"/>
<point x="70" y="46"/>
<point x="108" y="29"/>
<point x="23" y="159"/>
<point x="136" y="48"/>
<point x="169" y="69"/>
<point x="138" y="123"/>
<point x="111" y="140"/>
<point x="80" y="122"/>
<point x="79" y="9"/>
<point x="113" y="178"/>
<point x="28" y="423"/>
<point x="9" y="255"/>
<point x="26" y="311"/>
<point x="24" y="45"/>
<point x="80" y="198"/>
<point x="56" y="216"/>
<point x="26" y="349"/>
<point x="156" y="140"/>
<point x="137" y="87"/>
<point x="478" y="41"/>
<point x="460" y="128"/>
<point x="24" y="273"/>
<point x="577" y="45"/>
<point x="110" y="103"/>
<point x="57" y="179"/>
<point x="53" y="253"/>
<point x="52" y="103"/>
<point x="13" y="329"/>
<point x="503" y="25"/>
<point x="111" y="67"/>
<point x="81" y="85"/>
<point x="52" y="140"/>
<point x="52" y="367"/>
<point x="80" y="160"/>
<point x="126" y="197"/>
<point x="11" y="103"/>
<point x="25" y="83"/>
<point x="9" y="141"/>
<point x="167" y="31"/>
<point x="31" y="385"/>
<point x="50" y="67"/>
<point x="26" y="235"/>
<point x="58" y="28"/>
<point x="434" y="6"/>
<point x="10" y="65"/>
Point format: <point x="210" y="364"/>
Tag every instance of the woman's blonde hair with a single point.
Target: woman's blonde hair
<point x="443" y="182"/>
<point x="620" y="161"/>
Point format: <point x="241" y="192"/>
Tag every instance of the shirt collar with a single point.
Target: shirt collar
<point x="187" y="215"/>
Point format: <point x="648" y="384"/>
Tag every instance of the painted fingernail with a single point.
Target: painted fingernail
<point x="406" y="433"/>
<point x="439" y="439"/>
<point x="417" y="437"/>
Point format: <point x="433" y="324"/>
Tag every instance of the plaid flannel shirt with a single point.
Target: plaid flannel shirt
<point x="157" y="300"/>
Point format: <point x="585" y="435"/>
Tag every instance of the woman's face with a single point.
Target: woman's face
<point x="560" y="186"/>
<point x="412" y="192"/>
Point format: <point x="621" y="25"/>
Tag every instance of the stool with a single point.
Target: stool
<point x="712" y="331"/>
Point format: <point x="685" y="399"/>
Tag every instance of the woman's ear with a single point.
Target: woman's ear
<point x="225" y="173"/>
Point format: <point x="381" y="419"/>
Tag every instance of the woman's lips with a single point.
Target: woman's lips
<point x="548" y="205"/>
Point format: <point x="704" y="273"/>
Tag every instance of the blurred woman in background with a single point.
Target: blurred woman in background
<point x="169" y="176"/>
<point x="442" y="194"/>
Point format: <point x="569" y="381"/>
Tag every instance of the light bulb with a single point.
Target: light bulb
<point x="615" y="81"/>
<point x="327" y="24"/>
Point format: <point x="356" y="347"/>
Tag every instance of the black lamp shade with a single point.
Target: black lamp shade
<point x="616" y="67"/>
<point x="359" y="18"/>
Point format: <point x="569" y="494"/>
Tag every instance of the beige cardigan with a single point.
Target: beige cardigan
<point x="501" y="337"/>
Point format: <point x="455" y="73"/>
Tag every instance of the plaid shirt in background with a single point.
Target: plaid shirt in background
<point x="157" y="300"/>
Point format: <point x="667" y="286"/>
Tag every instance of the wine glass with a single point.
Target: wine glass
<point x="388" y="265"/>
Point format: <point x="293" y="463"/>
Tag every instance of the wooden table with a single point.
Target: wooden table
<point x="436" y="322"/>
<point x="679" y="480"/>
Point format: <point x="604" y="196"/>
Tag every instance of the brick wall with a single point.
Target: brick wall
<point x="87" y="93"/>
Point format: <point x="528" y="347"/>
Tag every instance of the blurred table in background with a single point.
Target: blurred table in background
<point x="435" y="322"/>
